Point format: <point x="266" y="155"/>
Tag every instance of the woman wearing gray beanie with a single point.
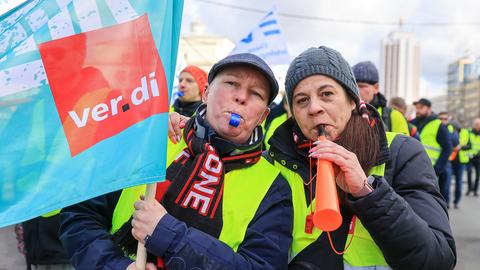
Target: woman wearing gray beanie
<point x="393" y="215"/>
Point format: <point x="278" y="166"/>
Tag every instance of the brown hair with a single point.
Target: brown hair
<point x="362" y="139"/>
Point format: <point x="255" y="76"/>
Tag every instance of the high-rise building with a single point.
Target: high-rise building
<point x="457" y="77"/>
<point x="464" y="90"/>
<point x="400" y="66"/>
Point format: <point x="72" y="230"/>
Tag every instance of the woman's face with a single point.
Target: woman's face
<point x="319" y="100"/>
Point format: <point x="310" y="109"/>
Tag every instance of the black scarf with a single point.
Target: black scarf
<point x="379" y="101"/>
<point x="197" y="176"/>
<point x="186" y="108"/>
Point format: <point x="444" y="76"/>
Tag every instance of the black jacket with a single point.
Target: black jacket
<point x="443" y="138"/>
<point x="405" y="214"/>
<point x="42" y="245"/>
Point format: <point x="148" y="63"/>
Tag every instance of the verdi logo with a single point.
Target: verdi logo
<point x="105" y="81"/>
<point x="103" y="110"/>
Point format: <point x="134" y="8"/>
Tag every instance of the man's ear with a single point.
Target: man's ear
<point x="376" y="86"/>
<point x="205" y="94"/>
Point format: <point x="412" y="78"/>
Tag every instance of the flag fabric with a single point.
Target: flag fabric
<point x="84" y="87"/>
<point x="266" y="41"/>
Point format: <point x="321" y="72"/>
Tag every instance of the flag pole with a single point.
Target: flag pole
<point x="141" y="260"/>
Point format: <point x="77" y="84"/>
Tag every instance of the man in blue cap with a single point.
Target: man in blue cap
<point x="366" y="75"/>
<point x="223" y="205"/>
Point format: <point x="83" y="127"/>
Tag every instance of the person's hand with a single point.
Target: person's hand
<point x="149" y="266"/>
<point x="145" y="218"/>
<point x="349" y="173"/>
<point x="176" y="122"/>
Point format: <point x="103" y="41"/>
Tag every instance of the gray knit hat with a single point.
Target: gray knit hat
<point x="321" y="61"/>
<point x="365" y="72"/>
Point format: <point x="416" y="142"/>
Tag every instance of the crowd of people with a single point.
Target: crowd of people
<point x="241" y="177"/>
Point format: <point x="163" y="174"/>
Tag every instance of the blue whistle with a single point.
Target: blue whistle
<point x="180" y="94"/>
<point x="234" y="120"/>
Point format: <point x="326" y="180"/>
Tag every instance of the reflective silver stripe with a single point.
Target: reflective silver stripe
<point x="347" y="266"/>
<point x="436" y="149"/>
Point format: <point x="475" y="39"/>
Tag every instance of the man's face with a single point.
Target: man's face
<point x="367" y="91"/>
<point x="476" y="124"/>
<point x="422" y="111"/>
<point x="241" y="90"/>
<point x="189" y="87"/>
<point x="444" y="118"/>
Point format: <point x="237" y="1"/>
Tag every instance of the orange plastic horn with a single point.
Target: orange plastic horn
<point x="327" y="215"/>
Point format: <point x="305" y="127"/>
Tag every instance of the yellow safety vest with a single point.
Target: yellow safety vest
<point x="463" y="138"/>
<point x="362" y="251"/>
<point x="475" y="141"/>
<point x="398" y="122"/>
<point x="428" y="137"/>
<point x="243" y="191"/>
<point x="273" y="126"/>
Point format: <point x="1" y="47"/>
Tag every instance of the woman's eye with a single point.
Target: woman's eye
<point x="327" y="94"/>
<point x="302" y="100"/>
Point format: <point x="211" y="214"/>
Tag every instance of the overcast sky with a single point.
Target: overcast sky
<point x="440" y="45"/>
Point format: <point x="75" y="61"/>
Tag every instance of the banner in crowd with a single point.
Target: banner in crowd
<point x="84" y="87"/>
<point x="266" y="41"/>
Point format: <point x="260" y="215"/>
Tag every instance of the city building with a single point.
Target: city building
<point x="203" y="50"/>
<point x="464" y="90"/>
<point x="400" y="66"/>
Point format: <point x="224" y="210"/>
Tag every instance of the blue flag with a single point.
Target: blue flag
<point x="266" y="41"/>
<point x="84" y="87"/>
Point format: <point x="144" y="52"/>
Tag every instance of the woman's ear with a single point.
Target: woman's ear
<point x="353" y="105"/>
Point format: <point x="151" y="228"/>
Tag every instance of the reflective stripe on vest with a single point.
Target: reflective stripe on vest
<point x="428" y="137"/>
<point x="362" y="251"/>
<point x="243" y="191"/>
